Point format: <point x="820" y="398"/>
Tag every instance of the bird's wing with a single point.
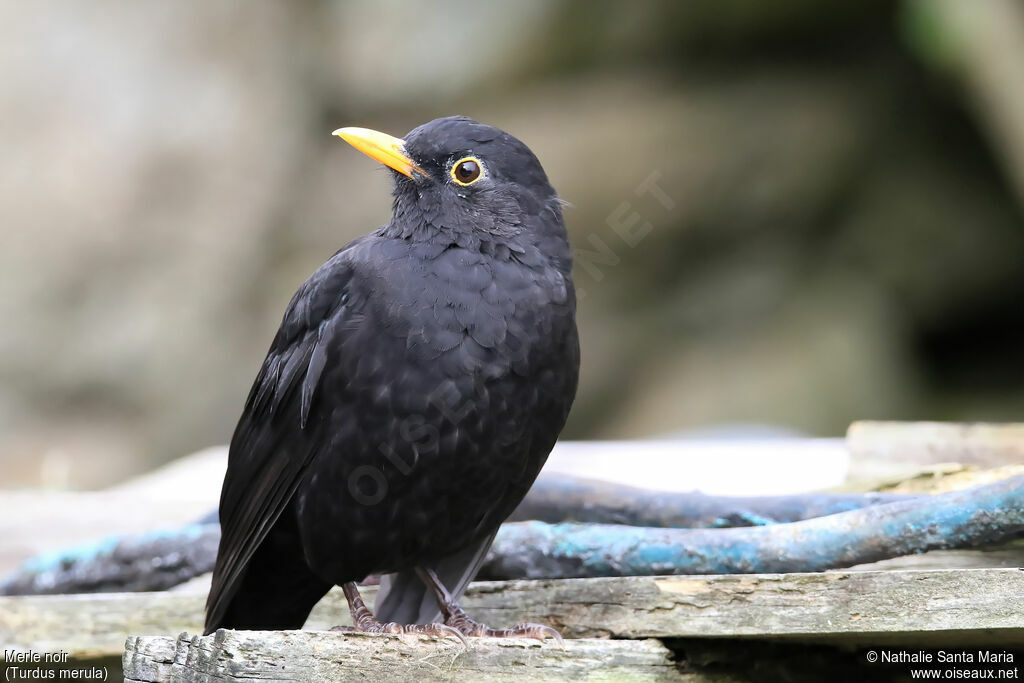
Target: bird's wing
<point x="273" y="443"/>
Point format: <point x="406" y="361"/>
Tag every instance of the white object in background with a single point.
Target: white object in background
<point x="740" y="467"/>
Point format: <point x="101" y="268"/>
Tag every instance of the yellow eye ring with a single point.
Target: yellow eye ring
<point x="467" y="171"/>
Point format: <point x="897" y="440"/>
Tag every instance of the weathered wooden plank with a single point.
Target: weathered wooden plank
<point x="842" y="607"/>
<point x="936" y="479"/>
<point x="1008" y="556"/>
<point x="886" y="450"/>
<point x="319" y="655"/>
<point x="94" y="625"/>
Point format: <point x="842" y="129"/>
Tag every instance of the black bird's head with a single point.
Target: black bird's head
<point x="462" y="180"/>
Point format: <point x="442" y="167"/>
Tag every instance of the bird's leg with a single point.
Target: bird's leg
<point x="457" y="618"/>
<point x="365" y="622"/>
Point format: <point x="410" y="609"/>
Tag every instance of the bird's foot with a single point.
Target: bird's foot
<point x="371" y="625"/>
<point x="365" y="622"/>
<point x="458" y="619"/>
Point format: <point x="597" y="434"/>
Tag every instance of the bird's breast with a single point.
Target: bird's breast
<point x="446" y="415"/>
<point x="476" y="315"/>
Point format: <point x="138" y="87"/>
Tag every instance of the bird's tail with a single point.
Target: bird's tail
<point x="404" y="599"/>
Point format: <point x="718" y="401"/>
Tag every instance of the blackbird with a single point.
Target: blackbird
<point x="412" y="394"/>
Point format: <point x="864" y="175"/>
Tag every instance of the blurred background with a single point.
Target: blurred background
<point x="793" y="213"/>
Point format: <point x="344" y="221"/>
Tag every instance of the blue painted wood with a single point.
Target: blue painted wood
<point x="991" y="513"/>
<point x="987" y="514"/>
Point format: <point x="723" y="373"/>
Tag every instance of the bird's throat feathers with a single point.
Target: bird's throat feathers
<point x="423" y="212"/>
<point x="497" y="222"/>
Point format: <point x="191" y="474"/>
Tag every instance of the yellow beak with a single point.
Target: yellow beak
<point x="384" y="148"/>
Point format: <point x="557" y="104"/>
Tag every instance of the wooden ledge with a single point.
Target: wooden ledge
<point x="322" y="655"/>
<point x="840" y="607"/>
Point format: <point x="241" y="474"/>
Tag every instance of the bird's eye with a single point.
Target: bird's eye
<point x="467" y="171"/>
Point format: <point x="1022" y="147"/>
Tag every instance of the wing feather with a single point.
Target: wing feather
<point x="272" y="447"/>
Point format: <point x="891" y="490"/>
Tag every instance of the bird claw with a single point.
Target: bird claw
<point x="390" y="627"/>
<point x="523" y="630"/>
<point x="539" y="631"/>
<point x="443" y="630"/>
<point x="365" y="622"/>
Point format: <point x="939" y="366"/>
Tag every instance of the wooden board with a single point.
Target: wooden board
<point x="843" y="606"/>
<point x="895" y="450"/>
<point x="319" y="655"/>
<point x="847" y="607"/>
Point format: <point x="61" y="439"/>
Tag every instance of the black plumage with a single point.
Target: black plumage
<point x="416" y="385"/>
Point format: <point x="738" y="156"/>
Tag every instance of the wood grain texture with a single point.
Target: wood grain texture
<point x="320" y="655"/>
<point x="843" y="607"/>
<point x="895" y="450"/>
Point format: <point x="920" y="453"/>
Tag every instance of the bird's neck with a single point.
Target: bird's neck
<point x="495" y="237"/>
<point x="426" y="232"/>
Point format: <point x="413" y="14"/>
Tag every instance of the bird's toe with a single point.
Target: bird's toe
<point x="393" y="628"/>
<point x="475" y="629"/>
